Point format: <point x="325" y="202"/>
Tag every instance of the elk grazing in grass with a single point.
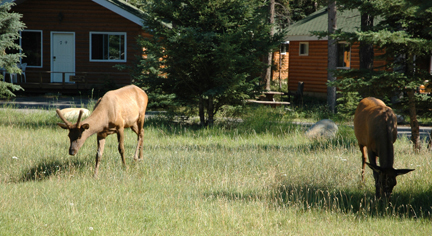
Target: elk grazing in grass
<point x="115" y="111"/>
<point x="375" y="127"/>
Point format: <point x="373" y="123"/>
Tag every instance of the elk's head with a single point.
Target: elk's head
<point x="385" y="179"/>
<point x="75" y="132"/>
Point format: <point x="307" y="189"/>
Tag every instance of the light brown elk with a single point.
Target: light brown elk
<point x="375" y="127"/>
<point x="115" y="111"/>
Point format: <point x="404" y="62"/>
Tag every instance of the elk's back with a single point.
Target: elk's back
<point x="375" y="126"/>
<point x="123" y="106"/>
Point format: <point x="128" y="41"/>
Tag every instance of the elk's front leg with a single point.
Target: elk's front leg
<point x="120" y="137"/>
<point x="363" y="151"/>
<point x="101" y="145"/>
<point x="373" y="161"/>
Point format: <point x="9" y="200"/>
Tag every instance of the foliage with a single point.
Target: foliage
<point x="404" y="37"/>
<point x="302" y="8"/>
<point x="347" y="104"/>
<point x="7" y="89"/>
<point x="10" y="25"/>
<point x="209" y="57"/>
<point x="282" y="13"/>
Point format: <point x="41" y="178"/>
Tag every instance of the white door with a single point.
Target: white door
<point x="62" y="55"/>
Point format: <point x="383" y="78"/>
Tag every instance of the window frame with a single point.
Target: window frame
<point x="350" y="61"/>
<point x="41" y="47"/>
<point x="307" y="48"/>
<point x="107" y="33"/>
<point x="284" y="48"/>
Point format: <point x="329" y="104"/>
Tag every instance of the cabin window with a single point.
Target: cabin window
<point x="344" y="56"/>
<point x="31" y="44"/>
<point x="108" y="47"/>
<point x="304" y="49"/>
<point x="284" y="47"/>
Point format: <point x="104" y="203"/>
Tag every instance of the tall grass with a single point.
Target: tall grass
<point x="261" y="176"/>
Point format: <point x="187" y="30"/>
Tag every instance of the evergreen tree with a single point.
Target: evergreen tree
<point x="210" y="56"/>
<point x="10" y="25"/>
<point x="268" y="60"/>
<point x="301" y="8"/>
<point x="404" y="34"/>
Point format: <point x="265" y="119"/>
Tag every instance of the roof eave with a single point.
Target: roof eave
<point x="303" y="38"/>
<point x="137" y="20"/>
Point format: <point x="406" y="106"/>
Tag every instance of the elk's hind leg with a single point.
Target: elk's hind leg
<point x="120" y="137"/>
<point x="139" y="130"/>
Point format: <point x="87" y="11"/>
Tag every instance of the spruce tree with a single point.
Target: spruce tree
<point x="10" y="26"/>
<point x="205" y="54"/>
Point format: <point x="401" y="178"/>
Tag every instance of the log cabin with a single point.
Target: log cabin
<point x="308" y="54"/>
<point x="73" y="45"/>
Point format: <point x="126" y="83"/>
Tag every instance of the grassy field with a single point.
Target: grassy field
<point x="258" y="177"/>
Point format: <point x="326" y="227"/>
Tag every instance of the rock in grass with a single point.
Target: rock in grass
<point x="322" y="129"/>
<point x="72" y="113"/>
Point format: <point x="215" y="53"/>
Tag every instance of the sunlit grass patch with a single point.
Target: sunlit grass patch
<point x="263" y="178"/>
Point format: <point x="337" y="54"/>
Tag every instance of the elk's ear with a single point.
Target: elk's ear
<point x="63" y="125"/>
<point x="403" y="171"/>
<point x="374" y="167"/>
<point x="85" y="126"/>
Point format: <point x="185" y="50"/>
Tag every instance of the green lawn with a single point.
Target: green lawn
<point x="260" y="177"/>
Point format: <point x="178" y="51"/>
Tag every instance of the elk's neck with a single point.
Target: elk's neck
<point x="386" y="156"/>
<point x="97" y="123"/>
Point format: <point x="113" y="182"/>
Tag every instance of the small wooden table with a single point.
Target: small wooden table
<point x="270" y="94"/>
<point x="269" y="100"/>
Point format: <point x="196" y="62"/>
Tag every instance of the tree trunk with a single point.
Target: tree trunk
<point x="269" y="58"/>
<point x="210" y="112"/>
<point x="201" y="111"/>
<point x="332" y="55"/>
<point x="366" y="52"/>
<point x="415" y="129"/>
<point x="429" y="146"/>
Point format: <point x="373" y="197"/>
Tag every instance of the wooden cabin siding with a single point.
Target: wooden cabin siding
<point x="80" y="17"/>
<point x="281" y="63"/>
<point x="312" y="69"/>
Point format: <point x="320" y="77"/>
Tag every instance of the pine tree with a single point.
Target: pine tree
<point x="210" y="55"/>
<point x="404" y="34"/>
<point x="10" y="25"/>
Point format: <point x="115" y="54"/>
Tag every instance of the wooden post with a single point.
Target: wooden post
<point x="332" y="55"/>
<point x="63" y="79"/>
<point x="41" y="80"/>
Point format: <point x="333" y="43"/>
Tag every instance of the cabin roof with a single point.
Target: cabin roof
<point x="124" y="9"/>
<point x="119" y="7"/>
<point x="347" y="21"/>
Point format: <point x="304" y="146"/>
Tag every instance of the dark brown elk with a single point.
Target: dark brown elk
<point x="375" y="127"/>
<point x="115" y="111"/>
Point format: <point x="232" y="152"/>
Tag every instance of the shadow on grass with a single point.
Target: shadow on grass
<point x="233" y="196"/>
<point x="48" y="168"/>
<point x="360" y="202"/>
<point x="227" y="125"/>
<point x="315" y="145"/>
<point x="305" y="148"/>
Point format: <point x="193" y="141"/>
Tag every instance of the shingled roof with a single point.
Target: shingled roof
<point x="348" y="21"/>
